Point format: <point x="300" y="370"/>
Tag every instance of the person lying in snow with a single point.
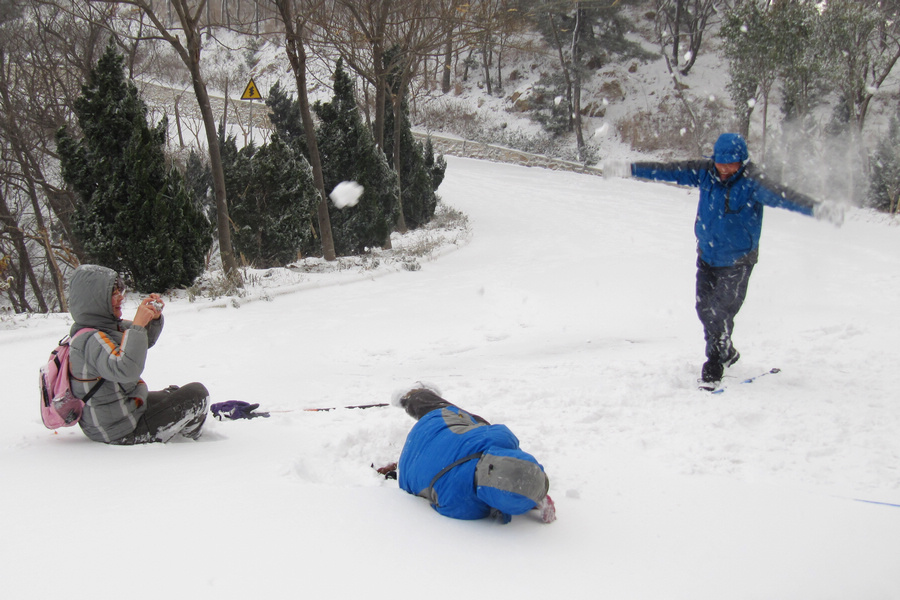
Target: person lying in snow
<point x="124" y="411"/>
<point x="466" y="467"/>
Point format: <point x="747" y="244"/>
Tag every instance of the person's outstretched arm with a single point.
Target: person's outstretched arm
<point x="780" y="196"/>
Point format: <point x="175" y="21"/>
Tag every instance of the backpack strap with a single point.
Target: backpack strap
<point x="100" y="382"/>
<point x="93" y="390"/>
<point x="429" y="491"/>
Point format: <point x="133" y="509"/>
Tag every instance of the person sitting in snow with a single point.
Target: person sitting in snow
<point x="123" y="411"/>
<point x="466" y="467"/>
<point x="733" y="192"/>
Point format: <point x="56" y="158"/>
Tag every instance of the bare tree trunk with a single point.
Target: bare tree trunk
<point x="28" y="179"/>
<point x="224" y="121"/>
<point x="380" y="92"/>
<point x="24" y="261"/>
<point x="765" y="125"/>
<point x="371" y="18"/>
<point x="297" y="57"/>
<point x="178" y="123"/>
<point x="448" y="62"/>
<point x="366" y="104"/>
<point x="380" y="71"/>
<point x="466" y="64"/>
<point x="223" y="221"/>
<point x="676" y="31"/>
<point x="486" y="64"/>
<point x="576" y="80"/>
<point x="562" y="65"/>
<point x="679" y="93"/>
<point x="704" y="11"/>
<point x="30" y="111"/>
<point x="132" y="50"/>
<point x="397" y="104"/>
<point x="765" y="90"/>
<point x="500" y="70"/>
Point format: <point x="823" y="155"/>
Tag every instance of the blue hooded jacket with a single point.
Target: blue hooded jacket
<point x="729" y="215"/>
<point x="474" y="486"/>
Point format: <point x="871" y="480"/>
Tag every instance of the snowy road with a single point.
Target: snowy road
<point x="569" y="317"/>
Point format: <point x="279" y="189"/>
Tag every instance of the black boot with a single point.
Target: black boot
<point x="712" y="371"/>
<point x="732" y="357"/>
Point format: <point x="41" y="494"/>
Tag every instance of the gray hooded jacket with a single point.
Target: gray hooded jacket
<point x="116" y="352"/>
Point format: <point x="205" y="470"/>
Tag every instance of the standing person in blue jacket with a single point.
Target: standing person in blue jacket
<point x="733" y="192"/>
<point x="466" y="467"/>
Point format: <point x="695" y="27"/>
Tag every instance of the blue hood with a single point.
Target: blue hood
<point x="730" y="148"/>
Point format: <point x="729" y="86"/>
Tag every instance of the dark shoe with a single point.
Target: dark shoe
<point x="712" y="372"/>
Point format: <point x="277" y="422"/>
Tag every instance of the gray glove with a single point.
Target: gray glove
<point x="616" y="168"/>
<point x="831" y="212"/>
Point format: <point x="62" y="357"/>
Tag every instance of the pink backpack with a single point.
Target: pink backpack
<point x="59" y="406"/>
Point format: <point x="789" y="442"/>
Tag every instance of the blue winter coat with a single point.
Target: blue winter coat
<point x="729" y="215"/>
<point x="442" y="437"/>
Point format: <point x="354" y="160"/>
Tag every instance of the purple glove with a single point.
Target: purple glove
<point x="235" y="409"/>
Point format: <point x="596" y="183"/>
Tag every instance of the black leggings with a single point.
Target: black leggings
<point x="720" y="295"/>
<point x="169" y="412"/>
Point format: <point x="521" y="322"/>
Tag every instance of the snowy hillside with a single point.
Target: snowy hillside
<point x="565" y="313"/>
<point x="633" y="109"/>
<point x="613" y="95"/>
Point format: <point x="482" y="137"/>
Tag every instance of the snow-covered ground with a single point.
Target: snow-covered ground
<point x="566" y="313"/>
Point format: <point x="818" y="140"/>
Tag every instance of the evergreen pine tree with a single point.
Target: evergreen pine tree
<point x="586" y="35"/>
<point x="436" y="165"/>
<point x="245" y="220"/>
<point x="134" y="213"/>
<point x="198" y="179"/>
<point x="884" y="190"/>
<point x="285" y="118"/>
<point x="416" y="183"/>
<point x="749" y="46"/>
<point x="549" y="105"/>
<point x="273" y="202"/>
<point x="349" y="153"/>
<point x="802" y="69"/>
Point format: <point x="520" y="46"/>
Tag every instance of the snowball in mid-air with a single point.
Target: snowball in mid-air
<point x="346" y="193"/>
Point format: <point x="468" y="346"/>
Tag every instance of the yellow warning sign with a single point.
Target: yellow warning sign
<point x="251" y="92"/>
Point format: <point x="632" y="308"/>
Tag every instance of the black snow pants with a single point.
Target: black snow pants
<point x="720" y="294"/>
<point x="420" y="402"/>
<point x="169" y="412"/>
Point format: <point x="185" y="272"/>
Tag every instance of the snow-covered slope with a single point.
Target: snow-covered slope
<point x="569" y="317"/>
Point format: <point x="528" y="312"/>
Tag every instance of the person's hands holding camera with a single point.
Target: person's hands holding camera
<point x="150" y="309"/>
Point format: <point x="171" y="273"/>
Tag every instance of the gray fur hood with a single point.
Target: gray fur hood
<point x="90" y="298"/>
